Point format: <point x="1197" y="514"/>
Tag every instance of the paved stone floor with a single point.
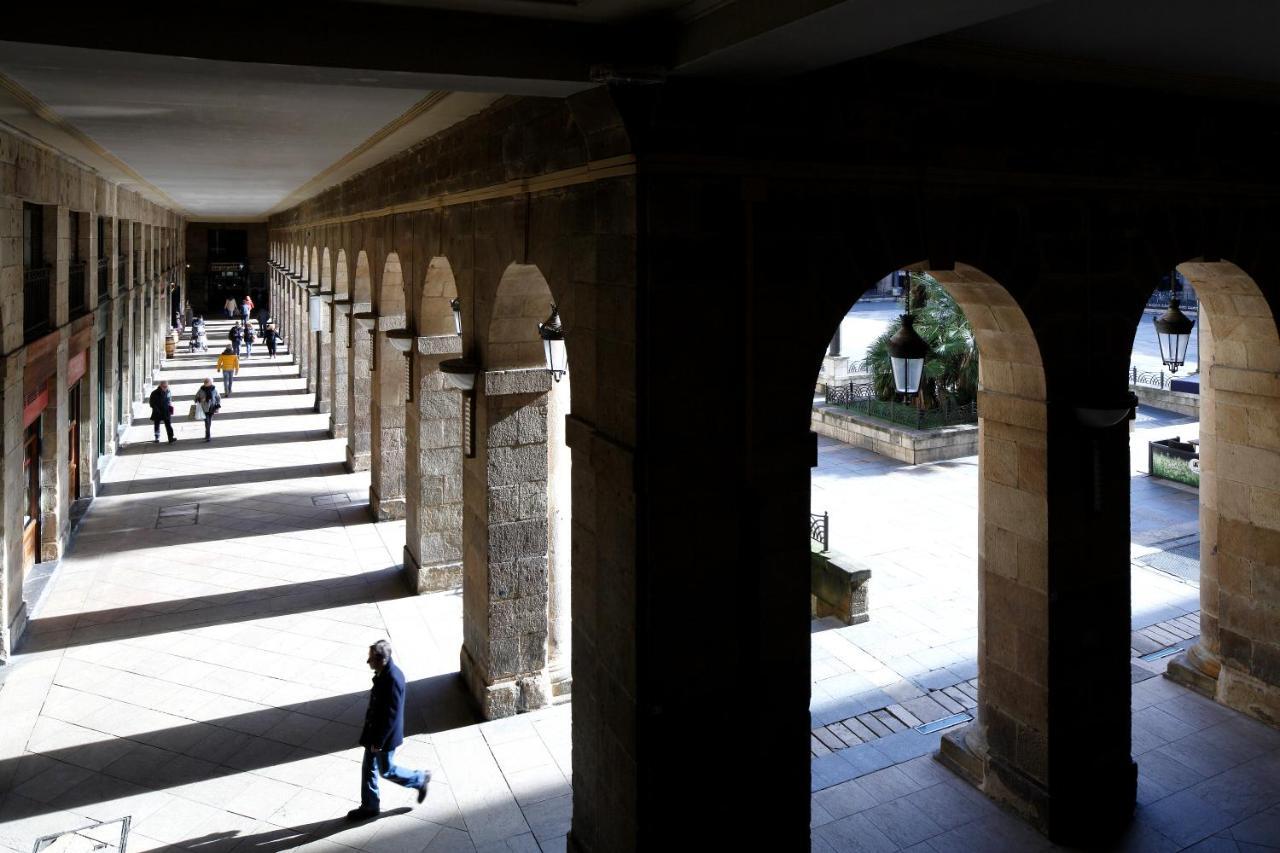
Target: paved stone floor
<point x="1209" y="778"/>
<point x="197" y="661"/>
<point x="201" y="668"/>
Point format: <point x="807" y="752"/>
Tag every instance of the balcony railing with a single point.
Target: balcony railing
<point x="104" y="286"/>
<point x="35" y="302"/>
<point x="77" y="299"/>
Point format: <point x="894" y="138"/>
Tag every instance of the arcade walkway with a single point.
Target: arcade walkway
<point x="198" y="660"/>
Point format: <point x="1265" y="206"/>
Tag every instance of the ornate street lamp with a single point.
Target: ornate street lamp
<point x="1173" y="333"/>
<point x="552" y="334"/>
<point x="455" y="304"/>
<point x="907" y="352"/>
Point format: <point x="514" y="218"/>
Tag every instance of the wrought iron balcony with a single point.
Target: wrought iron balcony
<point x="104" y="286"/>
<point x="35" y="302"/>
<point x="77" y="298"/>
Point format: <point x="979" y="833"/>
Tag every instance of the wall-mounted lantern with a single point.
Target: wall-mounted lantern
<point x="552" y="334"/>
<point x="907" y="352"/>
<point x="1173" y="333"/>
<point x="455" y="305"/>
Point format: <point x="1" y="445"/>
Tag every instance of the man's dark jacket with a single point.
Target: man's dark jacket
<point x="384" y="721"/>
<point x="160" y="400"/>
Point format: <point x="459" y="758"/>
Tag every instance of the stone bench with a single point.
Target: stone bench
<point x="838" y="587"/>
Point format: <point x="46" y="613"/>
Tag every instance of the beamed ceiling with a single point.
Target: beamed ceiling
<point x="241" y="109"/>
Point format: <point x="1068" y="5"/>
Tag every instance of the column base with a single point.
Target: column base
<point x="357" y="461"/>
<point x="1192" y="669"/>
<point x="323" y="407"/>
<point x="386" y="509"/>
<point x="561" y="683"/>
<point x="441" y="577"/>
<point x="1086" y="813"/>
<point x="505" y="697"/>
<point x="337" y="430"/>
<point x="12" y="635"/>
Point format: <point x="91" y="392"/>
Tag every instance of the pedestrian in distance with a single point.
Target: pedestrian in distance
<point x="162" y="410"/>
<point x="229" y="307"/>
<point x="246" y="308"/>
<point x="235" y="334"/>
<point x="264" y="317"/>
<point x="249" y="338"/>
<point x="229" y="366"/>
<point x="272" y="338"/>
<point x="383" y="733"/>
<point x="207" y="404"/>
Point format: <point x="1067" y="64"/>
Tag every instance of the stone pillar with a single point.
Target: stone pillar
<point x="1237" y="658"/>
<point x="338" y="365"/>
<point x="433" y="471"/>
<point x="559" y="543"/>
<point x="54" y="464"/>
<point x="504" y="653"/>
<point x="359" y="398"/>
<point x="386" y="425"/>
<point x="324" y="358"/>
<point x="13" y="615"/>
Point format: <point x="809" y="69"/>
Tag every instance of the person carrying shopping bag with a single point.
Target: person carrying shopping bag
<point x="229" y="366"/>
<point x="206" y="406"/>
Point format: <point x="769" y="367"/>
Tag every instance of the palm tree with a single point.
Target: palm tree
<point x="951" y="370"/>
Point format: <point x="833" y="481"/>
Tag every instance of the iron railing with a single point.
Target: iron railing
<point x="104" y="286"/>
<point x="77" y="299"/>
<point x="861" y="397"/>
<point x="820" y="529"/>
<point x="35" y="302"/>
<point x="1152" y="379"/>
<point x="1160" y="299"/>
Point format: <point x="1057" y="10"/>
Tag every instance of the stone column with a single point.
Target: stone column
<point x="13" y="615"/>
<point x="359" y="397"/>
<point x="559" y="542"/>
<point x="504" y="653"/>
<point x="54" y="461"/>
<point x="338" y="366"/>
<point x="386" y="425"/>
<point x="324" y="358"/>
<point x="433" y="471"/>
<point x="1237" y="657"/>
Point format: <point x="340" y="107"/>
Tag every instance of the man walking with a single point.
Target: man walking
<point x="162" y="410"/>
<point x="383" y="732"/>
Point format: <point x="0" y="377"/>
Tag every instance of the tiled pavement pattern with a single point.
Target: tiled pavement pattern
<point x="208" y="678"/>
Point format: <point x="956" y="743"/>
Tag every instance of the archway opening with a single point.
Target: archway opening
<point x="930" y="601"/>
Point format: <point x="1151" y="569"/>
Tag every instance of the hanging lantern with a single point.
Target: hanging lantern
<point x="1173" y="333"/>
<point x="907" y="352"/>
<point x="552" y="334"/>
<point x="456" y="305"/>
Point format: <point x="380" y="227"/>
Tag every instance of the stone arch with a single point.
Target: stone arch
<point x="1235" y="659"/>
<point x="435" y="315"/>
<point x="359" y="366"/>
<point x="516" y="519"/>
<point x="390" y="387"/>
<point x="523" y="300"/>
<point x="1013" y="537"/>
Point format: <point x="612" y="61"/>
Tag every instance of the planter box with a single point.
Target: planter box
<point x="838" y="586"/>
<point x="1173" y="459"/>
<point x="913" y="446"/>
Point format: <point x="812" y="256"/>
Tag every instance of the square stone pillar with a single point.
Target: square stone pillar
<point x="505" y="627"/>
<point x="359" y="396"/>
<point x="387" y="424"/>
<point x="337" y="363"/>
<point x="433" y="471"/>
<point x="324" y="359"/>
<point x="54" y="464"/>
<point x="12" y="607"/>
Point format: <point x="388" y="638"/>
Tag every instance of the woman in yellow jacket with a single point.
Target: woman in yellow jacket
<point x="229" y="364"/>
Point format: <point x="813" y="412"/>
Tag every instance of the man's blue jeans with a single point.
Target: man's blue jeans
<point x="383" y="764"/>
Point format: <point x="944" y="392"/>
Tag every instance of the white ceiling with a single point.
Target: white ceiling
<point x="220" y="139"/>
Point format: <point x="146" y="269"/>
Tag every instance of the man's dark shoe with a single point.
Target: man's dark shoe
<point x="361" y="814"/>
<point x="422" y="789"/>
